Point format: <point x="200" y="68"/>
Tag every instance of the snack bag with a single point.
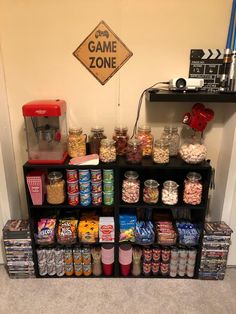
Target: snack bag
<point x="46" y="231"/>
<point x="67" y="231"/>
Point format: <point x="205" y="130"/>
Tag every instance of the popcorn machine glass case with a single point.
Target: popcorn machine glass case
<point x="46" y="131"/>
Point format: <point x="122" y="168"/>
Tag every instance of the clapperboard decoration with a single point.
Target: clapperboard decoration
<point x="207" y="64"/>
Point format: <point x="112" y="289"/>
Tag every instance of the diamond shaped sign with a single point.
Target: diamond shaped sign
<point x="102" y="53"/>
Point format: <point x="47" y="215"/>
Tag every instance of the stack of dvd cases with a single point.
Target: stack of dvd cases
<point x="216" y="242"/>
<point x="18" y="249"/>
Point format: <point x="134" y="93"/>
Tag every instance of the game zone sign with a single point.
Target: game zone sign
<point x="102" y="53"/>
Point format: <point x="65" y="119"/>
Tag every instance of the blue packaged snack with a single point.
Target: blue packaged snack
<point x="189" y="233"/>
<point x="144" y="232"/>
<point x="127" y="228"/>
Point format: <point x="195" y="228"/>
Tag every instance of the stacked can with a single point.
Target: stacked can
<point x="155" y="261"/>
<point x="42" y="262"/>
<point x="72" y="187"/>
<point x="85" y="187"/>
<point x="96" y="184"/>
<point x="59" y="262"/>
<point x="50" y="259"/>
<point x="87" y="261"/>
<point x="68" y="260"/>
<point x="78" y="267"/>
<point x="182" y="262"/>
<point x="108" y="186"/>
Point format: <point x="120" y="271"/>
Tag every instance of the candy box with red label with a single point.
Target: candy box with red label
<point x="106" y="229"/>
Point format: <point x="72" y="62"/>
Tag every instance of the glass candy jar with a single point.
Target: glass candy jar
<point x="174" y="142"/>
<point x="121" y="138"/>
<point x="134" y="152"/>
<point x="169" y="193"/>
<point x="193" y="189"/>
<point x="55" y="188"/>
<point x="95" y="139"/>
<point x="130" y="187"/>
<point x="76" y="143"/>
<point x="107" y="151"/>
<point x="150" y="192"/>
<point x="146" y="139"/>
<point x="160" y="154"/>
<point x="193" y="151"/>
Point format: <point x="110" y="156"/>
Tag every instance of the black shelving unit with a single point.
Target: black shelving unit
<point x="155" y="95"/>
<point x="176" y="170"/>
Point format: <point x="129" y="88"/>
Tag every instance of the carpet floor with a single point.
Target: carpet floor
<point x="85" y="296"/>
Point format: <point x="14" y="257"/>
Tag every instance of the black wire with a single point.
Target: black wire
<point x="140" y="104"/>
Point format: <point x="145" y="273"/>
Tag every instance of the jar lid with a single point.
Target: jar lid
<point x="134" y="142"/>
<point x="167" y="128"/>
<point x="130" y="174"/>
<point x="151" y="183"/>
<point x="54" y="176"/>
<point x="97" y="129"/>
<point x="107" y="142"/>
<point x="144" y="128"/>
<point x="75" y="130"/>
<point x="194" y="176"/>
<point x="121" y="128"/>
<point x="162" y="143"/>
<point x="170" y="184"/>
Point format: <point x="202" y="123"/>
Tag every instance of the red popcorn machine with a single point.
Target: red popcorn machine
<point x="46" y="131"/>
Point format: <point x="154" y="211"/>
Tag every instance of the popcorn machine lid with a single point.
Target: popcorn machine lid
<point x="48" y="108"/>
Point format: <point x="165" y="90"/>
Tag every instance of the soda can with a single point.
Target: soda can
<point x="87" y="270"/>
<point x="68" y="256"/>
<point x="147" y="266"/>
<point x="182" y="261"/>
<point x="173" y="270"/>
<point x="164" y="269"/>
<point x="42" y="269"/>
<point x="165" y="255"/>
<point x="108" y="186"/>
<point x="174" y="254"/>
<point x="41" y="255"/>
<point x="85" y="187"/>
<point x="84" y="175"/>
<point x="71" y="175"/>
<point x="59" y="256"/>
<point x="155" y="268"/>
<point x="72" y="187"/>
<point x="108" y="198"/>
<point x="69" y="269"/>
<point x="77" y="255"/>
<point x="78" y="269"/>
<point x="86" y="256"/>
<point x="147" y="254"/>
<point x="190" y="273"/>
<point x="183" y="253"/>
<point x="50" y="256"/>
<point x="96" y="199"/>
<point x="96" y="175"/>
<point x="51" y="269"/>
<point x="60" y="269"/>
<point x="108" y="175"/>
<point x="85" y="199"/>
<point x="73" y="199"/>
<point x="96" y="187"/>
<point x="156" y="254"/>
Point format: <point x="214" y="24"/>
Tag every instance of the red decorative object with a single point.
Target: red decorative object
<point x="199" y="117"/>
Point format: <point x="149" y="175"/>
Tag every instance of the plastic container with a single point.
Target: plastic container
<point x="134" y="152"/>
<point x="107" y="151"/>
<point x="131" y="187"/>
<point x="193" y="189"/>
<point x="174" y="142"/>
<point x="121" y="138"/>
<point x="146" y="139"/>
<point x="76" y="143"/>
<point x="161" y="154"/>
<point x="170" y="193"/>
<point x="150" y="192"/>
<point x="193" y="151"/>
<point x="55" y="188"/>
<point x="95" y="139"/>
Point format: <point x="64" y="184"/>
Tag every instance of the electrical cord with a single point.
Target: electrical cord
<point x="140" y="105"/>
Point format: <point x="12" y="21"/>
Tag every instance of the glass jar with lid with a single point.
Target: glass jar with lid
<point x="193" y="188"/>
<point x="150" y="192"/>
<point x="121" y="138"/>
<point x="97" y="134"/>
<point x="107" y="151"/>
<point x="146" y="139"/>
<point x="174" y="142"/>
<point x="134" y="152"/>
<point x="160" y="154"/>
<point x="76" y="142"/>
<point x="55" y="188"/>
<point x="130" y="187"/>
<point x="193" y="150"/>
<point x="169" y="193"/>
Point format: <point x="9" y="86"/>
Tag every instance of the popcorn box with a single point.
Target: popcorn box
<point x="106" y="229"/>
<point x="36" y="184"/>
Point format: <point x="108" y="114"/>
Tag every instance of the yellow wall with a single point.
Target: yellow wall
<point x="38" y="38"/>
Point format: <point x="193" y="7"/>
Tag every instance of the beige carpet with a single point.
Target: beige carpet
<point x="108" y="296"/>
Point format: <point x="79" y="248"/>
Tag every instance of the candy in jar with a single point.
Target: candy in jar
<point x="174" y="142"/>
<point x="146" y="139"/>
<point x="76" y="143"/>
<point x="150" y="192"/>
<point x="121" y="139"/>
<point x="193" y="188"/>
<point x="193" y="151"/>
<point x="55" y="188"/>
<point x="95" y="139"/>
<point x="160" y="154"/>
<point x="130" y="187"/>
<point x="170" y="193"/>
<point x="134" y="152"/>
<point x="107" y="151"/>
